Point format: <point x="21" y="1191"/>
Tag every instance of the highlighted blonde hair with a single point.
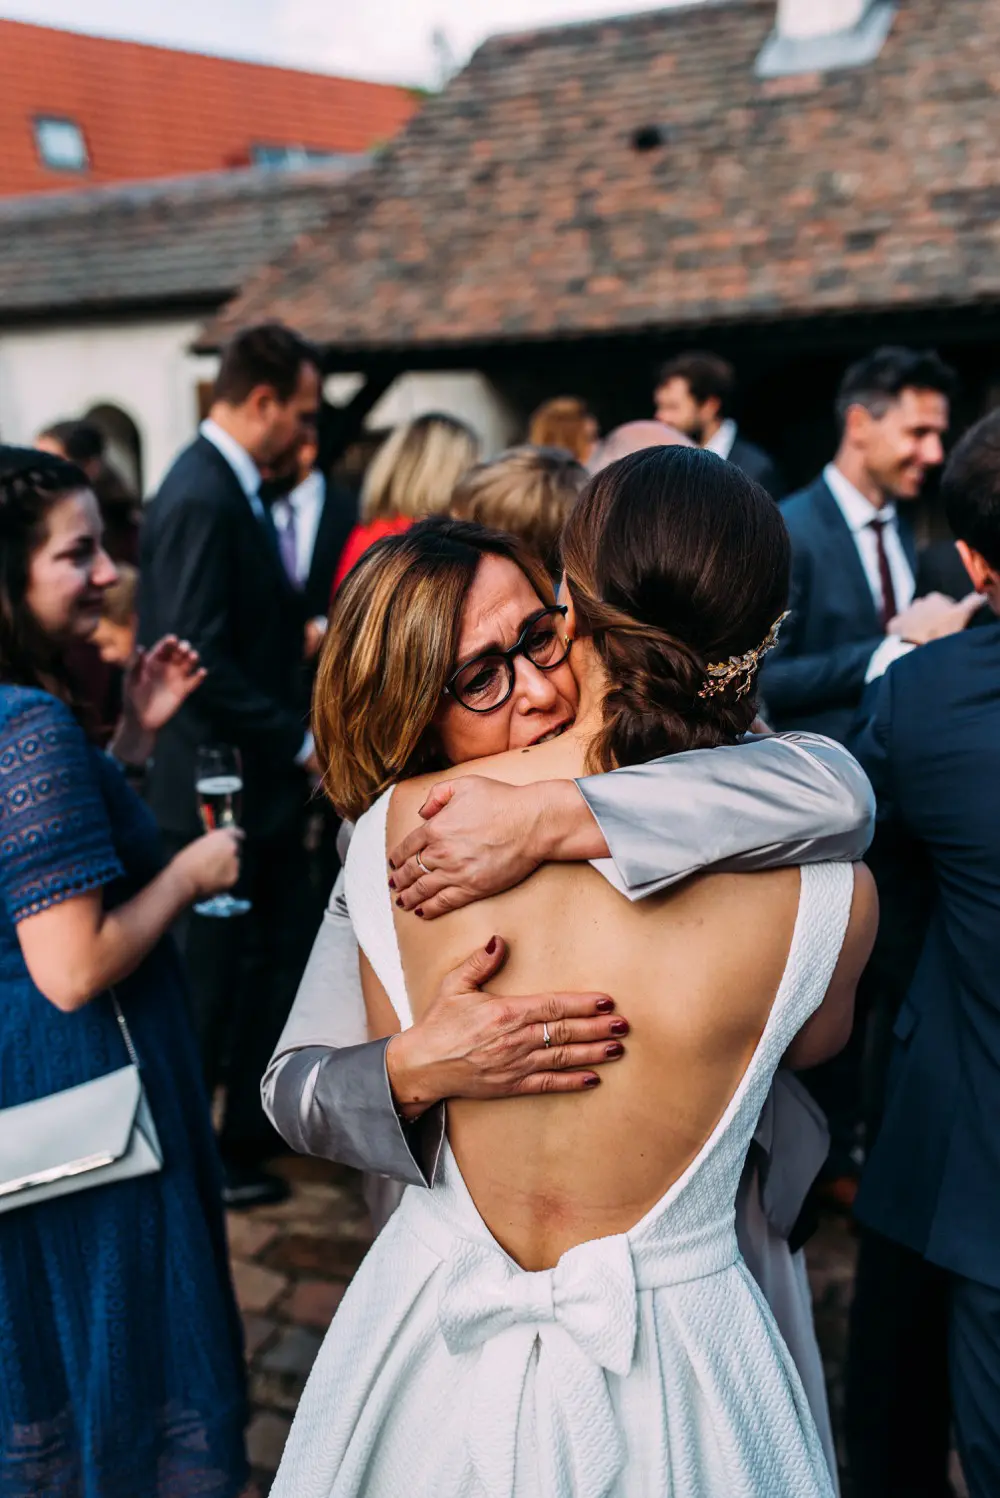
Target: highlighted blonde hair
<point x="527" y="492"/>
<point x="564" y="422"/>
<point x="417" y="467"/>
<point x="390" y="650"/>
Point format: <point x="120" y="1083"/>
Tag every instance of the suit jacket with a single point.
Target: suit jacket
<point x="931" y="743"/>
<point x="337" y="519"/>
<point x="757" y="465"/>
<point x="211" y="573"/>
<point x="815" y="678"/>
<point x="760" y="805"/>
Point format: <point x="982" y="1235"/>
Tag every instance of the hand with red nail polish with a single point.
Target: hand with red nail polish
<point x="463" y="1047"/>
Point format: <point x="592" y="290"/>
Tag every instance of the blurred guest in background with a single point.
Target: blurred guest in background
<point x="411" y="476"/>
<point x="83" y="443"/>
<point x="695" y="393"/>
<point x="928" y="1289"/>
<point x="122" y="1349"/>
<point x="632" y="437"/>
<point x="313" y="518"/>
<point x="567" y="423"/>
<point x="852" y="612"/>
<point x="527" y="492"/>
<point x="212" y="573"/>
<point x="853" y="551"/>
<point x="118" y="626"/>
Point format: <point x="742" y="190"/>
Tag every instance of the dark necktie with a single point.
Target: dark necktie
<point x="889" y="608"/>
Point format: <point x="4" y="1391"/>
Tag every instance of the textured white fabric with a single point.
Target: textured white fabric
<point x="644" y="1365"/>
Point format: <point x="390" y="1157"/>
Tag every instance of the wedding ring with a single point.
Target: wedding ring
<point x="546" y="1037"/>
<point x="421" y="863"/>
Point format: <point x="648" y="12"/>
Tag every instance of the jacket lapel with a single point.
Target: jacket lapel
<point x="263" y="530"/>
<point x="846" y="572"/>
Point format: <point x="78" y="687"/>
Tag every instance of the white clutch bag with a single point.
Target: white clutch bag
<point x="89" y="1135"/>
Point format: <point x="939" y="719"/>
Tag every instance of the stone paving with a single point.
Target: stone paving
<point x="292" y="1263"/>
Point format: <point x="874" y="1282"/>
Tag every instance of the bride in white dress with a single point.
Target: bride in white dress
<point x="566" y="1314"/>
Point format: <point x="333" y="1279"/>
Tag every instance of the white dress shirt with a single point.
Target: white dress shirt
<point x="248" y="475"/>
<point x="721" y="442"/>
<point x="306" y="503"/>
<point x="858" y="513"/>
<point x="239" y="460"/>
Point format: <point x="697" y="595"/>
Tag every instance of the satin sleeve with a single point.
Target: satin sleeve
<point x="766" y="803"/>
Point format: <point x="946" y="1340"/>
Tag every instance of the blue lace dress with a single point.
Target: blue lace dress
<point x="121" y="1370"/>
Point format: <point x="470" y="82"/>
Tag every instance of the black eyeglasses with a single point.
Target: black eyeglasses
<point x="487" y="681"/>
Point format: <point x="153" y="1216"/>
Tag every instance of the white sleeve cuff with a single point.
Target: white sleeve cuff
<point x="891" y="648"/>
<point x="308" y="745"/>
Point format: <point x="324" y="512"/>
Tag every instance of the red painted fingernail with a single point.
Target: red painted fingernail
<point x="399" y="901"/>
<point x="418" y="911"/>
<point x="392" y="865"/>
<point x="491" y="945"/>
<point x="618" y="1027"/>
<point x="613" y="1050"/>
<point x="392" y="884"/>
<point x="592" y="1082"/>
<point x="605" y="1006"/>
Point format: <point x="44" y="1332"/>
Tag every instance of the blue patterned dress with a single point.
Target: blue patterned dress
<point x="121" y="1370"/>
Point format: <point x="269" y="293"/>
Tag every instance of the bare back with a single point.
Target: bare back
<point x="696" y="970"/>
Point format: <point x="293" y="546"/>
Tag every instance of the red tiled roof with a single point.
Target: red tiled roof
<point x="152" y="112"/>
<point x="521" y="203"/>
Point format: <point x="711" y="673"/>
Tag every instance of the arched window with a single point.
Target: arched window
<point x="124" y="445"/>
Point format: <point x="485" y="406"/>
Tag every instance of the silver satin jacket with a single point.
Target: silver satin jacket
<point x="766" y="803"/>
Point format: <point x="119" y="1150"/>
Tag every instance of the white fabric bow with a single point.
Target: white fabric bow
<point x="583" y="1315"/>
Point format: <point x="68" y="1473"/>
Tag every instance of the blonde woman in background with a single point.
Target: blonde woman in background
<point x="565" y="422"/>
<point x="527" y="492"/>
<point x="411" y="476"/>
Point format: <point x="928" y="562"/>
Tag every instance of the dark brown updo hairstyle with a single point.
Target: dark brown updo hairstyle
<point x="675" y="561"/>
<point x="31" y="484"/>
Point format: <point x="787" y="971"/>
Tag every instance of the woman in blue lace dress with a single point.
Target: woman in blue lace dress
<point x="122" y="1371"/>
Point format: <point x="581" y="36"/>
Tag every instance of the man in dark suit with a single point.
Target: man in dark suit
<point x="930" y="1195"/>
<point x="212" y="573"/>
<point x="695" y="394"/>
<point x="854" y="557"/>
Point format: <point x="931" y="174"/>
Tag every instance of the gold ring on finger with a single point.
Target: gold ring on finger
<point x="421" y="864"/>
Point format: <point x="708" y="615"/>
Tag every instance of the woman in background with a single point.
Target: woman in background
<point x="122" y="1349"/>
<point x="565" y="422"/>
<point x="527" y="492"/>
<point x="411" y="476"/>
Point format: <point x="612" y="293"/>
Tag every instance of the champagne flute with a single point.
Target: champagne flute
<point x="218" y="781"/>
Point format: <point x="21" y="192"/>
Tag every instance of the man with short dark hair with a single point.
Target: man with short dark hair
<point x="695" y="394"/>
<point x="853" y="550"/>
<point x="929" y="1272"/>
<point x="212" y="573"/>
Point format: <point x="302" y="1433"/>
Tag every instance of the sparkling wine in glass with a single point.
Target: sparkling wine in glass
<point x="219" y="786"/>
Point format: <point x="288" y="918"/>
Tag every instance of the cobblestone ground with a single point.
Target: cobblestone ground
<point x="292" y="1263"/>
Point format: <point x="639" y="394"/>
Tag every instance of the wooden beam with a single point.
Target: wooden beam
<point x="339" y="426"/>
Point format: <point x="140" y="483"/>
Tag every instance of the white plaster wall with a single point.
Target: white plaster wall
<point x="464" y="394"/>
<point x="142" y="366"/>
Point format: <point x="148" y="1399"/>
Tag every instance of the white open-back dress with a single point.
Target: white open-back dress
<point x="643" y="1365"/>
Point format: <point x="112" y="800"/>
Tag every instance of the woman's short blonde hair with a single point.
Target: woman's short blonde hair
<point x="120" y="602"/>
<point x="526" y="491"/>
<point x="417" y="467"/>
<point x="390" y="650"/>
<point x="564" y="422"/>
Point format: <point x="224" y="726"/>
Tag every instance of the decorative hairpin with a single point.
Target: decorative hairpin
<point x="724" y="674"/>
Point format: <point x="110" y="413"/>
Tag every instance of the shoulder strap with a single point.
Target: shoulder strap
<point x="369" y="904"/>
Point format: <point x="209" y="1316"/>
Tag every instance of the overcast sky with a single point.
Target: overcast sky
<point x="389" y="39"/>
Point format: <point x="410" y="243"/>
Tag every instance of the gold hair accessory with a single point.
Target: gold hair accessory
<point x="721" y="676"/>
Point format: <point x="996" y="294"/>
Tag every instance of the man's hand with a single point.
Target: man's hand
<point x="482" y="836"/>
<point x="465" y="1047"/>
<point x="315" y="634"/>
<point x="934" y="617"/>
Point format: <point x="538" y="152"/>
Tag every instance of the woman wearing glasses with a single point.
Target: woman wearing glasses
<point x="588" y="1327"/>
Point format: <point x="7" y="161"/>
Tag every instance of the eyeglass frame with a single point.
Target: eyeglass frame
<point x="509" y="657"/>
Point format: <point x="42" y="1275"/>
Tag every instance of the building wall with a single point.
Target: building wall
<point x="141" y="367"/>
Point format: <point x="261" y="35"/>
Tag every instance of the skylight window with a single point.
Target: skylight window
<point x="61" y="145"/>
<point x="291" y="156"/>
